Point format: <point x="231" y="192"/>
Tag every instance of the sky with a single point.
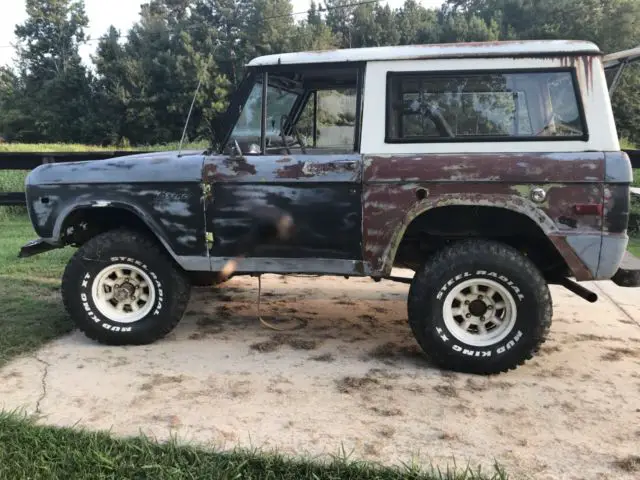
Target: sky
<point x="119" y="13"/>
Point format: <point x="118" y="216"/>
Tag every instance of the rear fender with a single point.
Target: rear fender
<point x="513" y="203"/>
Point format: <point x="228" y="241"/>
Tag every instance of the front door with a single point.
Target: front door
<point x="321" y="193"/>
<point x="319" y="187"/>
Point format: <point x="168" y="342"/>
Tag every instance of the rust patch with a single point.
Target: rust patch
<point x="240" y="166"/>
<point x="275" y="168"/>
<point x="579" y="270"/>
<point x="302" y="169"/>
<point x="227" y="168"/>
<point x="498" y="180"/>
<point x="487" y="167"/>
<point x="209" y="172"/>
<point x="587" y="62"/>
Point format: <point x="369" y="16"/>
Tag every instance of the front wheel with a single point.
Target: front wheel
<point x="479" y="307"/>
<point x="120" y="288"/>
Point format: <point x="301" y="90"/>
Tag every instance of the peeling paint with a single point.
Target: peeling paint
<point x="322" y="193"/>
<point x="495" y="180"/>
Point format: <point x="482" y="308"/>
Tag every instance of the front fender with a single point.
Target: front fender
<point x="174" y="212"/>
<point x="94" y="206"/>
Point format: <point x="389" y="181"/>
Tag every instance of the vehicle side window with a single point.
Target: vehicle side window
<point x="335" y="121"/>
<point x="435" y="107"/>
<point x="247" y="128"/>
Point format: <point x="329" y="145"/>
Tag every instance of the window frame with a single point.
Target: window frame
<point x="311" y="95"/>
<point x="391" y="75"/>
<point x="255" y="75"/>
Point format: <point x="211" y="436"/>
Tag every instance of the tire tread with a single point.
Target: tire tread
<point x="93" y="249"/>
<point x="456" y="254"/>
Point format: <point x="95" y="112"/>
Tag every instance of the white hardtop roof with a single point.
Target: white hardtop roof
<point x="446" y="50"/>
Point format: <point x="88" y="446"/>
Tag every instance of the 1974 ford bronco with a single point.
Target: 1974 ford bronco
<point x="490" y="169"/>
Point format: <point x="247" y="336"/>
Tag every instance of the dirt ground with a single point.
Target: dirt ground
<point x="349" y="375"/>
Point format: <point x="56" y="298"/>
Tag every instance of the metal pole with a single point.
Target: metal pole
<point x="263" y="118"/>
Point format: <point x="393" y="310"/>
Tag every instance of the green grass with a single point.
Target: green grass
<point x="47" y="266"/>
<point x="634" y="246"/>
<point x="71" y="148"/>
<point x="31" y="451"/>
<point x="57" y="147"/>
<point x="32" y="312"/>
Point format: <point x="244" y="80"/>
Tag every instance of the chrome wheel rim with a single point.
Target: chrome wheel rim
<point x="480" y="312"/>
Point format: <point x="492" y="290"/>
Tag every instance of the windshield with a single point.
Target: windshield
<point x="279" y="103"/>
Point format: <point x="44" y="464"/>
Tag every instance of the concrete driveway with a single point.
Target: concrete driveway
<point x="349" y="374"/>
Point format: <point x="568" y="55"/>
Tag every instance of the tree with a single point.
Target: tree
<point x="148" y="83"/>
<point x="54" y="94"/>
<point x="146" y="78"/>
<point x="417" y="24"/>
<point x="373" y="26"/>
<point x="314" y="34"/>
<point x="339" y="19"/>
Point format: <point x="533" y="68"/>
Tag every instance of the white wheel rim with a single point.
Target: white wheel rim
<point x="480" y="312"/>
<point x="123" y="293"/>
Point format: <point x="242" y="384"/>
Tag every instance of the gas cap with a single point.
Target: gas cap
<point x="538" y="195"/>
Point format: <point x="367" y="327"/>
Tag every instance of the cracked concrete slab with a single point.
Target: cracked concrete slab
<point x="352" y="374"/>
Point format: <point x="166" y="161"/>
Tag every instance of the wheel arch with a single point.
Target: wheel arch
<point x="515" y="219"/>
<point x="113" y="215"/>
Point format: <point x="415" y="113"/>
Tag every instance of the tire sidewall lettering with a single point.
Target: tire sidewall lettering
<point x="501" y="348"/>
<point x="94" y="316"/>
<point x="518" y="295"/>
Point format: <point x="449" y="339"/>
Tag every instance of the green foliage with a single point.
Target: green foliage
<point x="50" y="95"/>
<point x="145" y="79"/>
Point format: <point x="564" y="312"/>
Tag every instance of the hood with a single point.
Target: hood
<point x="157" y="167"/>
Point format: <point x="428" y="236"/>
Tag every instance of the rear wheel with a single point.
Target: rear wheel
<point x="121" y="288"/>
<point x="479" y="307"/>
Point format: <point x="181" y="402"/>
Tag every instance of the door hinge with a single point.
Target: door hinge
<point x="206" y="192"/>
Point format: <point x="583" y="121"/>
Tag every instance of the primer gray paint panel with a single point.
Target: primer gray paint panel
<point x="587" y="248"/>
<point x="618" y="168"/>
<point x="146" y="168"/>
<point x="194" y="264"/>
<point x="327" y="266"/>
<point x="611" y="255"/>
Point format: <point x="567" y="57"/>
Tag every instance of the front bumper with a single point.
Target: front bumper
<point x="628" y="275"/>
<point x="36" y="247"/>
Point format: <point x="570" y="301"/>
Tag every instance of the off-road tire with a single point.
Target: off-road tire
<point x="172" y="288"/>
<point x="479" y="259"/>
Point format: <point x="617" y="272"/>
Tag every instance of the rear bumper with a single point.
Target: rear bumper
<point x="36" y="247"/>
<point x="628" y="275"/>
